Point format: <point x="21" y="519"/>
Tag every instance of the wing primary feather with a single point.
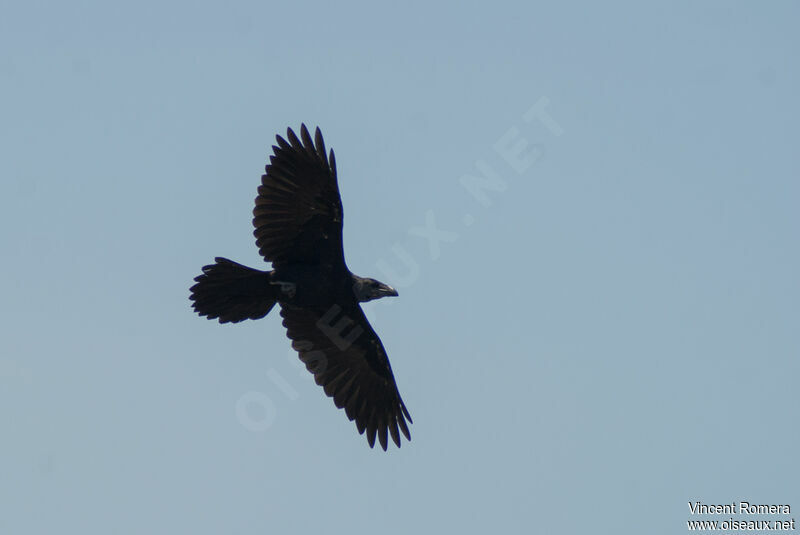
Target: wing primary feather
<point x="307" y="143"/>
<point x="320" y="145"/>
<point x="371" y="435"/>
<point x="382" y="425"/>
<point x="405" y="411"/>
<point x="393" y="430"/>
<point x="403" y="426"/>
<point x="360" y="425"/>
<point x="372" y="425"/>
<point x="296" y="144"/>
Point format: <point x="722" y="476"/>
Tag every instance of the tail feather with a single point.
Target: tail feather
<point x="232" y="292"/>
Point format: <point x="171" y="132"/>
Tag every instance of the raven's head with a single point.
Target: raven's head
<point x="367" y="289"/>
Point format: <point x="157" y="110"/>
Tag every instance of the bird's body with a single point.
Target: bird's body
<point x="313" y="285"/>
<point x="298" y="220"/>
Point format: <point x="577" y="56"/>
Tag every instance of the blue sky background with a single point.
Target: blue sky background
<point x="613" y="336"/>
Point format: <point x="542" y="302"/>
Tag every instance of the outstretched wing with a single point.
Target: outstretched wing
<point x="338" y="345"/>
<point x="298" y="213"/>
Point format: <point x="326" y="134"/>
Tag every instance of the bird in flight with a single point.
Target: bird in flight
<point x="298" y="228"/>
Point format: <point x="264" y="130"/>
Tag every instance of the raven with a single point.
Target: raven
<point x="298" y="228"/>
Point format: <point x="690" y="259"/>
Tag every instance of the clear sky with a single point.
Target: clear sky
<point x="601" y="331"/>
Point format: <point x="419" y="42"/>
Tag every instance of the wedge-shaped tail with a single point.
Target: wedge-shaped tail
<point x="232" y="292"/>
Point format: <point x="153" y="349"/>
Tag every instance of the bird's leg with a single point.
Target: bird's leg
<point x="288" y="288"/>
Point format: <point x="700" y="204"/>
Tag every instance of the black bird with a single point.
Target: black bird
<point x="298" y="227"/>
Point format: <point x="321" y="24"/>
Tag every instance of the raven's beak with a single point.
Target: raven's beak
<point x="387" y="291"/>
